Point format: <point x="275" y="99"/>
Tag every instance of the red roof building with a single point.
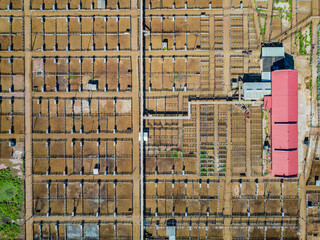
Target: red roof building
<point x="284" y="123"/>
<point x="267" y="102"/>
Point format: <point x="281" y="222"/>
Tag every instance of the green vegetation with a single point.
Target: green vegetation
<point x="72" y="77"/>
<point x="176" y="154"/>
<point x="264" y="116"/>
<point x="283" y="12"/>
<point x="203" y="156"/>
<point x="308" y="84"/>
<point x="262" y="28"/>
<point x="11" y="199"/>
<point x="9" y="230"/>
<point x="304" y="41"/>
<point x="176" y="76"/>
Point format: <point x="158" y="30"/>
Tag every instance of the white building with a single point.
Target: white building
<point x="255" y="90"/>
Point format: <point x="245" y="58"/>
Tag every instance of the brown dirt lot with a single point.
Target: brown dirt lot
<point x="256" y="207"/>
<point x="273" y="188"/>
<point x="290" y="207"/>
<point x="273" y="206"/>
<point x="256" y="232"/>
<point x="273" y="233"/>
<point x="239" y="207"/>
<point x="290" y="189"/>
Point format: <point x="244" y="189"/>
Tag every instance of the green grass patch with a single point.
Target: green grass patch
<point x="11" y="200"/>
<point x="9" y="230"/>
<point x="72" y="77"/>
<point x="303" y="41"/>
<point x="174" y="154"/>
<point x="284" y="13"/>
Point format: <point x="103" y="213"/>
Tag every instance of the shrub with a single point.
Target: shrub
<point x="9" y="230"/>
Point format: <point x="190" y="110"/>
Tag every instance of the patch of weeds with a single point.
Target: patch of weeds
<point x="263" y="28"/>
<point x="174" y="154"/>
<point x="11" y="200"/>
<point x="308" y="84"/>
<point x="284" y="13"/>
<point x="304" y="42"/>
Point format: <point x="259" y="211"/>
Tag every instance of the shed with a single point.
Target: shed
<point x="272" y="52"/>
<point x="267" y="102"/>
<point x="92" y="85"/>
<point x="255" y="90"/>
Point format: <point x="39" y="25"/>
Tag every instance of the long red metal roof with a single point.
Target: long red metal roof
<point x="284" y="163"/>
<point x="284" y="90"/>
<point x="284" y="112"/>
<point x="284" y="136"/>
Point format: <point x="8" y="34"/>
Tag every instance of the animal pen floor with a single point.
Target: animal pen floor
<point x="69" y="99"/>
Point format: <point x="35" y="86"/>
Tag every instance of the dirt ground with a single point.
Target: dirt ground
<point x="80" y="37"/>
<point x="273" y="233"/>
<point x="172" y="147"/>
<point x="239" y="207"/>
<point x="112" y="74"/>
<point x="106" y="230"/>
<point x="290" y="189"/>
<point x="273" y="189"/>
<point x="184" y="72"/>
<point x="290" y="207"/>
<point x="239" y="233"/>
<point x="256" y="232"/>
<point x="256" y="207"/>
<point x="273" y="207"/>
<point x="248" y="188"/>
<point x="11" y="74"/>
<point x="94" y="117"/>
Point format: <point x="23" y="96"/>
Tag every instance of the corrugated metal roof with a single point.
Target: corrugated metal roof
<point x="284" y="122"/>
<point x="101" y="4"/>
<point x="284" y="163"/>
<point x="272" y="52"/>
<point x="255" y="90"/>
<point x="285" y="91"/>
<point x="266" y="76"/>
<point x="284" y="136"/>
<point x="267" y="102"/>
